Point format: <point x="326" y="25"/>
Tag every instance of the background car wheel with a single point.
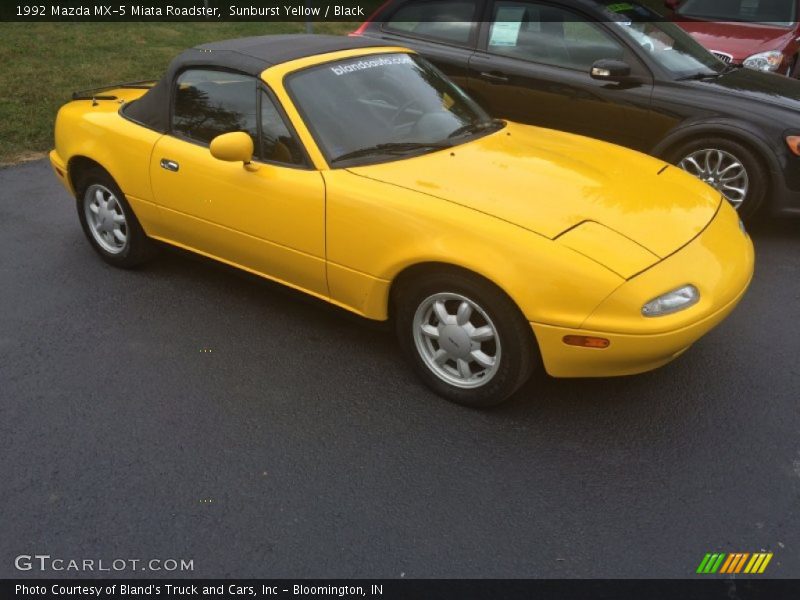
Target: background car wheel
<point x="108" y="221"/>
<point x="465" y="338"/>
<point x="730" y="167"/>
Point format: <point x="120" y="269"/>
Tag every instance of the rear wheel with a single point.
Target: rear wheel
<point x="108" y="221"/>
<point x="465" y="338"/>
<point x="728" y="166"/>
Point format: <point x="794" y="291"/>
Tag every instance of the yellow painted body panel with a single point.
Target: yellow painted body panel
<point x="123" y="148"/>
<point x="271" y="220"/>
<point x="577" y="232"/>
<point x="548" y="181"/>
<point x="719" y="262"/>
<point x="379" y="230"/>
<point x="627" y="354"/>
<point x="620" y="254"/>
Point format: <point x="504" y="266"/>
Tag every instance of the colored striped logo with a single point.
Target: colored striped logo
<point x="737" y="562"/>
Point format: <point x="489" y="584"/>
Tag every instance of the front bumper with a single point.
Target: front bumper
<point x="627" y="354"/>
<point x="785" y="191"/>
<point x="719" y="262"/>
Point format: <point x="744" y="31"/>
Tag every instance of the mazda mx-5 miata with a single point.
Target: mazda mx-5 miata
<point x="359" y="174"/>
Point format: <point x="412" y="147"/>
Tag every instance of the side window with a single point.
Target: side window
<point x="209" y="103"/>
<point x="443" y="20"/>
<point x="278" y="144"/>
<point x="549" y="35"/>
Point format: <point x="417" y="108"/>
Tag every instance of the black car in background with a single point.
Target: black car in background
<point x="619" y="72"/>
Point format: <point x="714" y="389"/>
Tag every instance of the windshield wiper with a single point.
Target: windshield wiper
<point x="700" y="76"/>
<point x="391" y="148"/>
<point x="475" y="127"/>
<point x="713" y="75"/>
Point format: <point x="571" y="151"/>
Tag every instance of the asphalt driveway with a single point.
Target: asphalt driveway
<point x="185" y="410"/>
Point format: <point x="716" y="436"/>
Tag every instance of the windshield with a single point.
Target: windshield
<point x="383" y="106"/>
<point x="666" y="43"/>
<point x="781" y="13"/>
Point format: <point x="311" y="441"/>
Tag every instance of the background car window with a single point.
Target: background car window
<point x="210" y="103"/>
<point x="277" y="142"/>
<point x="549" y="35"/>
<point x="774" y="12"/>
<point x="445" y="20"/>
<point x="671" y="47"/>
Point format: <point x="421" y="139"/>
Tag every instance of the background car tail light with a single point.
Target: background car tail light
<point x="794" y="143"/>
<point x="363" y="27"/>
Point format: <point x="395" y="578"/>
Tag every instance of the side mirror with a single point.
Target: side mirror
<point x="672" y="4"/>
<point x="234" y="147"/>
<point x="611" y="70"/>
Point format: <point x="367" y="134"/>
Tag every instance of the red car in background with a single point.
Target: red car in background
<point x="758" y="34"/>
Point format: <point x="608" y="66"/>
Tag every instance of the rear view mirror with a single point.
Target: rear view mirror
<point x="611" y="70"/>
<point x="672" y="4"/>
<point x="234" y="147"/>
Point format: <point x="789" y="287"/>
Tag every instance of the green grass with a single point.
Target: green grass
<point x="46" y="62"/>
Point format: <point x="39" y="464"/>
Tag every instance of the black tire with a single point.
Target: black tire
<point x="138" y="248"/>
<point x="518" y="358"/>
<point x="757" y="173"/>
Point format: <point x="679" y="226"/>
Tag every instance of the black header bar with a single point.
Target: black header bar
<point x="187" y="10"/>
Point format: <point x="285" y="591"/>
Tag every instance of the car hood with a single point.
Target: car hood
<point x="549" y="182"/>
<point x="762" y="88"/>
<point x="740" y="40"/>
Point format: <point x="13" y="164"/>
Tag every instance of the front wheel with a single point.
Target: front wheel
<point x="728" y="166"/>
<point x="465" y="338"/>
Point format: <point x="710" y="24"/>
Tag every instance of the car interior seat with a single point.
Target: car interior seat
<point x="541" y="37"/>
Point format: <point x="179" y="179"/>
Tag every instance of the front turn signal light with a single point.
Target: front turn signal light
<point x="794" y="144"/>
<point x="586" y="341"/>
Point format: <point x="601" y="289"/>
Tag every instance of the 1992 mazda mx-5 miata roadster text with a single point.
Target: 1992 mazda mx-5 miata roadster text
<point x="359" y="174"/>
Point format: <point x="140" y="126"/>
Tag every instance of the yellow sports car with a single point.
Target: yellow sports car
<point x="359" y="174"/>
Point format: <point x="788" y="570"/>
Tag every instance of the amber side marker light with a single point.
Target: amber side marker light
<point x="794" y="143"/>
<point x="586" y="341"/>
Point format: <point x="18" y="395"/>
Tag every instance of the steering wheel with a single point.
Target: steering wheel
<point x="403" y="109"/>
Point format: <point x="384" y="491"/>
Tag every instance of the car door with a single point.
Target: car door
<point x="443" y="31"/>
<point x="533" y="65"/>
<point x="269" y="218"/>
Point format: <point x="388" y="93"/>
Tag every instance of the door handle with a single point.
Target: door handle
<point x="495" y="76"/>
<point x="169" y="165"/>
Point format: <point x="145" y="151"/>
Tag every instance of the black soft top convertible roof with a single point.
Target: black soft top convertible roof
<point x="250" y="55"/>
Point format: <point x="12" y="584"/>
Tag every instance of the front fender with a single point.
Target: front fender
<point x="375" y="231"/>
<point x="731" y="128"/>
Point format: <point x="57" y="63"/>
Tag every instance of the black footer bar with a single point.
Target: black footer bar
<point x="391" y="589"/>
